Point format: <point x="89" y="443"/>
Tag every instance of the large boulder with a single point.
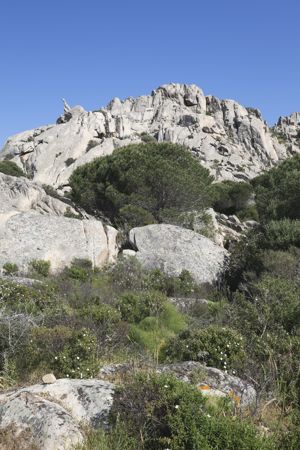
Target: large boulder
<point x="234" y="142"/>
<point x="173" y="249"/>
<point x="52" y="414"/>
<point x="33" y="226"/>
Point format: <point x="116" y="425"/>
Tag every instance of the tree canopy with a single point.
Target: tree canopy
<point x="149" y="181"/>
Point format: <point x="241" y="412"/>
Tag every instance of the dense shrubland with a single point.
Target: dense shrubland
<point x="75" y="321"/>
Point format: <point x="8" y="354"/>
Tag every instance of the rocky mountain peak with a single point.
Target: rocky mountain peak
<point x="234" y="142"/>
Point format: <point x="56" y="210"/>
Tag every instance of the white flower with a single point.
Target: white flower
<point x="176" y="406"/>
<point x="208" y="415"/>
<point x="77" y="357"/>
<point x="55" y="357"/>
<point x="166" y="386"/>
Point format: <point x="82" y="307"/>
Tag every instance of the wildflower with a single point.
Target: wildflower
<point x="166" y="386"/>
<point x="208" y="415"/>
<point x="176" y="406"/>
<point x="77" y="357"/>
<point x="55" y="357"/>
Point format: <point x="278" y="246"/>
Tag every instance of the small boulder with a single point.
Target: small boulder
<point x="49" y="378"/>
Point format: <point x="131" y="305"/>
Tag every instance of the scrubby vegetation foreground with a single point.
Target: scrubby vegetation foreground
<point x="74" y="322"/>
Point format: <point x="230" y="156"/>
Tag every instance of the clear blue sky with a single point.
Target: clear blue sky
<point x="92" y="50"/>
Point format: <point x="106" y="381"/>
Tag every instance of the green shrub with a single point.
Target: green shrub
<point x="218" y="346"/>
<point x="278" y="191"/>
<point x="68" y="213"/>
<point x="29" y="300"/>
<point x="41" y="267"/>
<point x="161" y="412"/>
<point x="101" y="314"/>
<point x="153" y="332"/>
<point x="281" y="234"/>
<point x="154" y="177"/>
<point x="69" y="161"/>
<point x="64" y="351"/>
<point x="10" y="268"/>
<point x="230" y="197"/>
<point x="136" y="306"/>
<point x="147" y="138"/>
<point x="11" y="168"/>
<point x="80" y="269"/>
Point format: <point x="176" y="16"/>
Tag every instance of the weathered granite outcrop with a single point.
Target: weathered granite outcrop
<point x="232" y="141"/>
<point x="174" y="249"/>
<point x="33" y="226"/>
<point x="287" y="132"/>
<point x="52" y="414"/>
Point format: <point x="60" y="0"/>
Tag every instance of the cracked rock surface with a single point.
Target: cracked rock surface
<point x="52" y="414"/>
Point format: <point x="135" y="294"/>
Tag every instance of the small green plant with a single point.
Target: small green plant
<point x="80" y="269"/>
<point x="41" y="267"/>
<point x="68" y="213"/>
<point x="10" y="268"/>
<point x="11" y="168"/>
<point x="69" y="161"/>
<point x="147" y="138"/>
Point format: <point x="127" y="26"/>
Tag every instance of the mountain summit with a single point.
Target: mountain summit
<point x="234" y="142"/>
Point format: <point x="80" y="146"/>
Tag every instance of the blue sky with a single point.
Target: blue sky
<point x="92" y="50"/>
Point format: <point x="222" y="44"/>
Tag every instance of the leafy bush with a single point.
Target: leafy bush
<point x="281" y="234"/>
<point x="147" y="138"/>
<point x="278" y="191"/>
<point x="80" y="269"/>
<point x="135" y="306"/>
<point x="217" y="346"/>
<point x="11" y="168"/>
<point x="161" y="412"/>
<point x="154" y="177"/>
<point x="101" y="314"/>
<point x="69" y="161"/>
<point x="23" y="299"/>
<point x="10" y="268"/>
<point x="62" y="350"/>
<point x="230" y="197"/>
<point x="41" y="267"/>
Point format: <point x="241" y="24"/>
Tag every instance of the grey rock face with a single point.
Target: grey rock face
<point x="54" y="412"/>
<point x="232" y="141"/>
<point x="32" y="226"/>
<point x="287" y="132"/>
<point x="174" y="249"/>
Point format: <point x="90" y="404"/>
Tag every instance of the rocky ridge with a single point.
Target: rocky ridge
<point x="234" y="142"/>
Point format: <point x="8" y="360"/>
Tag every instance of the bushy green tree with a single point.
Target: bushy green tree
<point x="148" y="178"/>
<point x="278" y="191"/>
